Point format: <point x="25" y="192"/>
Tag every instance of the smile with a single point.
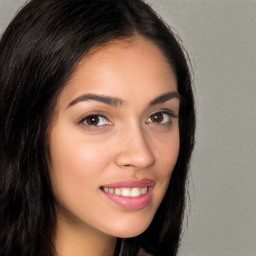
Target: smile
<point x="130" y="194"/>
<point x="126" y="192"/>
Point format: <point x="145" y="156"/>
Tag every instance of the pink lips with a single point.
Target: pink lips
<point x="132" y="203"/>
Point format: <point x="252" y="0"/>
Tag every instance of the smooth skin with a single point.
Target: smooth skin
<point x="110" y="124"/>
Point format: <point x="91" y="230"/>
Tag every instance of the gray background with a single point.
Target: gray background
<point x="221" y="39"/>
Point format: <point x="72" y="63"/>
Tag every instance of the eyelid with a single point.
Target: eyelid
<point x="81" y="120"/>
<point x="168" y="112"/>
<point x="165" y="111"/>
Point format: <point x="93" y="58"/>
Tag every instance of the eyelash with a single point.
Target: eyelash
<point x="97" y="117"/>
<point x="166" y="114"/>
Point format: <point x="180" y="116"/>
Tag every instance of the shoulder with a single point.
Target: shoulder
<point x="142" y="252"/>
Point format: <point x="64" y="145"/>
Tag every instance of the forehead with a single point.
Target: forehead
<point x="123" y="67"/>
<point x="137" y="44"/>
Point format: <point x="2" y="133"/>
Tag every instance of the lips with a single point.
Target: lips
<point x="130" y="194"/>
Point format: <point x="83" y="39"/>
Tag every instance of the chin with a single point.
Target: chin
<point x="131" y="229"/>
<point x="130" y="233"/>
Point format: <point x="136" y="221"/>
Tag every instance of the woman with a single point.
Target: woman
<point x="97" y="130"/>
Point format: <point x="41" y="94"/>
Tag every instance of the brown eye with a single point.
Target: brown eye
<point x="96" y="120"/>
<point x="161" y="118"/>
<point x="92" y="120"/>
<point x="157" y="118"/>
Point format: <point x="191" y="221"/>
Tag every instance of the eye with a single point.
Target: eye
<point x="95" y="121"/>
<point x="162" y="118"/>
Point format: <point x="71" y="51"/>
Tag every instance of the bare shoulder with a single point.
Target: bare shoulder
<point x="142" y="252"/>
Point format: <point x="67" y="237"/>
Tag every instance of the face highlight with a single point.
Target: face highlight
<point x="115" y="138"/>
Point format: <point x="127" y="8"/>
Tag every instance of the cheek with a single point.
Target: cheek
<point x="167" y="153"/>
<point x="75" y="164"/>
<point x="73" y="151"/>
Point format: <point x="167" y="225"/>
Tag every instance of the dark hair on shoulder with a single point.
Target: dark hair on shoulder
<point x="38" y="52"/>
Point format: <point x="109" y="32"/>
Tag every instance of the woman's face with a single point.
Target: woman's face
<point x="114" y="139"/>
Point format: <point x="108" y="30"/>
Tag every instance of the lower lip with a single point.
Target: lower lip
<point x="132" y="203"/>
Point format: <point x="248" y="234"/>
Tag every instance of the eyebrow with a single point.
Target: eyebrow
<point x="112" y="101"/>
<point x="116" y="102"/>
<point x="165" y="97"/>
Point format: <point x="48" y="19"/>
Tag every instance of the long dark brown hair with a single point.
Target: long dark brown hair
<point x="38" y="52"/>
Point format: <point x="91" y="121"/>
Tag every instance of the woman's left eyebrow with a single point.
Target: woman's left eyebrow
<point x="165" y="97"/>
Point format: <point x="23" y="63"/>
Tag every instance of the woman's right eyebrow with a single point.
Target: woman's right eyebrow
<point x="112" y="101"/>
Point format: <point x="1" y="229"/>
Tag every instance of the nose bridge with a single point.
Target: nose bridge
<point x="135" y="150"/>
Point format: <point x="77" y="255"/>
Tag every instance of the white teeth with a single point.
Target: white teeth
<point x="135" y="192"/>
<point x="111" y="190"/>
<point x="118" y="191"/>
<point x="126" y="192"/>
<point x="143" y="191"/>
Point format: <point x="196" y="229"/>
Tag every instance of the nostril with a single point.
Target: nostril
<point x="135" y="156"/>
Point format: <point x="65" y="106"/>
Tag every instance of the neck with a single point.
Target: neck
<point x="79" y="239"/>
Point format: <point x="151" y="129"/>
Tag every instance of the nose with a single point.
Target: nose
<point x="134" y="150"/>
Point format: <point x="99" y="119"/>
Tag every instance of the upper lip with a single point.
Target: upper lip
<point x="130" y="183"/>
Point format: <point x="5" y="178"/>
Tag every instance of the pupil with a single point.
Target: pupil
<point x="157" y="118"/>
<point x="93" y="120"/>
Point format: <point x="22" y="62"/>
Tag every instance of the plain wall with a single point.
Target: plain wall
<point x="221" y="39"/>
